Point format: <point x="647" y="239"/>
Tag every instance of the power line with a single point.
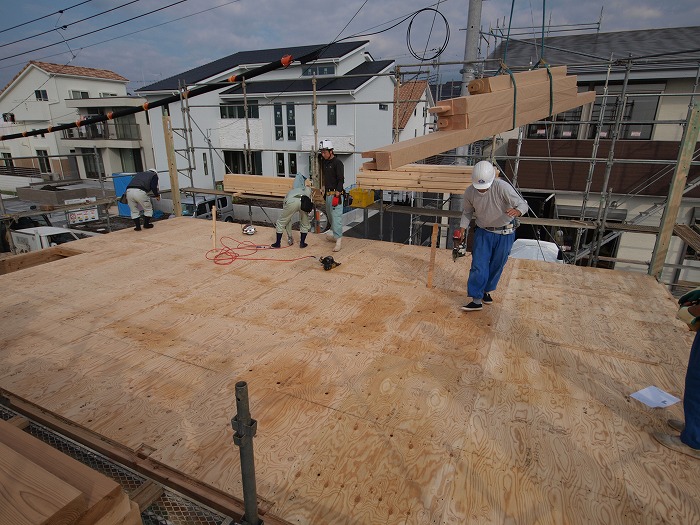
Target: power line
<point x="60" y="11"/>
<point x="127" y="34"/>
<point x="96" y="30"/>
<point x="65" y="26"/>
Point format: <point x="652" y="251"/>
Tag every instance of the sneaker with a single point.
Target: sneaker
<point x="337" y="245"/>
<point x="486" y="299"/>
<point x="472" y="307"/>
<point x="676" y="424"/>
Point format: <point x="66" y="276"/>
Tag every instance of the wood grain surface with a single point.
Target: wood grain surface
<point x="378" y="400"/>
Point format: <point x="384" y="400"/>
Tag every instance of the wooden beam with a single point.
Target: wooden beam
<point x="172" y="165"/>
<point x="433" y="249"/>
<point x="504" y="82"/>
<point x="680" y="175"/>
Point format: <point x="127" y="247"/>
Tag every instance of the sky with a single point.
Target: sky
<point x="154" y="39"/>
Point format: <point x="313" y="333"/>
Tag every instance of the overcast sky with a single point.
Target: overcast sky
<point x="194" y="32"/>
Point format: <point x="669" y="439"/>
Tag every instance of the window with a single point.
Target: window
<point x="291" y="128"/>
<point x="93" y="168"/>
<point x="41" y="95"/>
<point x="558" y="129"/>
<point x="292" y="164"/>
<point x="73" y="94"/>
<point x="131" y="160"/>
<point x="8" y="117"/>
<point x="44" y="164"/>
<point x="640" y="107"/>
<point x="280" y="165"/>
<point x="332" y="117"/>
<point x="237" y="110"/>
<point x="279" y="128"/>
<point x="7" y="160"/>
<point x="105" y="95"/>
<point x="318" y="70"/>
<point x="235" y="162"/>
<point x="383" y="107"/>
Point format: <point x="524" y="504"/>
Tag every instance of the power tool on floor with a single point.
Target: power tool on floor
<point x="328" y="263"/>
<point x="459" y="246"/>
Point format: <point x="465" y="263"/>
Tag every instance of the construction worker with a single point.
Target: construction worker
<point x="292" y="204"/>
<point x="494" y="204"/>
<point x="688" y="442"/>
<point x="137" y="195"/>
<point x="333" y="173"/>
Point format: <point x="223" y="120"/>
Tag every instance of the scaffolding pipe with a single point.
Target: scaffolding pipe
<point x="611" y="154"/>
<point x="245" y="428"/>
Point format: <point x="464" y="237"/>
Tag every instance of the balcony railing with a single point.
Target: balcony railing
<point x="104" y="130"/>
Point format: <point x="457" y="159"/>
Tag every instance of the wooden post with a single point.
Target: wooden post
<point x="433" y="249"/>
<point x="172" y="165"/>
<point x="213" y="227"/>
<point x="680" y="175"/>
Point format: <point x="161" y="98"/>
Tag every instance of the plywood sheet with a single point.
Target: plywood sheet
<point x="377" y="398"/>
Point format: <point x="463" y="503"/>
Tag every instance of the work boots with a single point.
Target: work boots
<point x="337" y="244"/>
<point x="302" y="243"/>
<point x="137" y="222"/>
<point x="277" y="242"/>
<point x="147" y="222"/>
<point x="290" y="239"/>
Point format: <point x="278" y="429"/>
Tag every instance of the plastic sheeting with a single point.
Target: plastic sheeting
<point x="535" y="250"/>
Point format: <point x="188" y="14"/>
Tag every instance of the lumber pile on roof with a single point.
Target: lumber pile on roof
<point x="42" y="485"/>
<point x="247" y="185"/>
<point x="417" y="177"/>
<point x="495" y="105"/>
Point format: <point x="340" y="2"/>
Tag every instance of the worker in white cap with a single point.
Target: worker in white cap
<point x="494" y="204"/>
<point x="333" y="173"/>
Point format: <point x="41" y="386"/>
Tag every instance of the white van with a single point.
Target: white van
<point x="200" y="206"/>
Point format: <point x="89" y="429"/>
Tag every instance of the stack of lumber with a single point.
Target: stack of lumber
<point x="496" y="105"/>
<point x="257" y="185"/>
<point x="417" y="177"/>
<point x="39" y="484"/>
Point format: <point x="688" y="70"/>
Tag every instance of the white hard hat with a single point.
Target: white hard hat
<point x="326" y="144"/>
<point x="483" y="175"/>
<point x="249" y="229"/>
<point x="153" y="170"/>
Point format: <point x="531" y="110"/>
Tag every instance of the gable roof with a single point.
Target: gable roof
<point x="406" y="96"/>
<point x="666" y="48"/>
<point x="356" y="78"/>
<point x="262" y="56"/>
<point x="63" y="69"/>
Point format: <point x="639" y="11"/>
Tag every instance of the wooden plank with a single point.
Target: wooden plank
<point x="146" y="494"/>
<point x="433" y="249"/>
<point x="257" y="185"/>
<point x="28" y="260"/>
<point x="400" y="153"/>
<point x="101" y="492"/>
<point x="503" y="82"/>
<point x="31" y="495"/>
<point x="19" y="422"/>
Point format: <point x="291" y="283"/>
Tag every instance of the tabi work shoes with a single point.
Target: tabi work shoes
<point x="472" y="307"/>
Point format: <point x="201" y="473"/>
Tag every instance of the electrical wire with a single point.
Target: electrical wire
<point x="245" y="251"/>
<point x="66" y="26"/>
<point x="96" y="30"/>
<point x="60" y="11"/>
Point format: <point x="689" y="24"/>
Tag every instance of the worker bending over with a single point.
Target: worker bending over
<point x="137" y="195"/>
<point x="299" y="195"/>
<point x="494" y="204"/>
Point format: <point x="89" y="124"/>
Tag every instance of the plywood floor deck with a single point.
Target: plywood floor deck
<point x="378" y="401"/>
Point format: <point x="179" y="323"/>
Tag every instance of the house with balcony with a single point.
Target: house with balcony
<point x="44" y="94"/>
<point x="564" y="159"/>
<point x="345" y="96"/>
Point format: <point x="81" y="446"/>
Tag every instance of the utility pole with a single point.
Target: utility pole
<point x="471" y="50"/>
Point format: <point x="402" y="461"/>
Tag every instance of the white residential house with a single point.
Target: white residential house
<point x="44" y="94"/>
<point x="354" y="96"/>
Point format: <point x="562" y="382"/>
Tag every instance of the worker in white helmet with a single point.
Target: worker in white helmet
<point x="494" y="204"/>
<point x="333" y="173"/>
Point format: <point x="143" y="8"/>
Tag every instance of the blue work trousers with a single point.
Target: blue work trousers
<point x="489" y="255"/>
<point x="691" y="399"/>
<point x="335" y="216"/>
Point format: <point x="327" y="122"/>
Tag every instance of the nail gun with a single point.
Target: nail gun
<point x="459" y="245"/>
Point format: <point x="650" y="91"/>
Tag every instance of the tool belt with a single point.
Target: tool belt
<point x="501" y="230"/>
<point x="330" y="192"/>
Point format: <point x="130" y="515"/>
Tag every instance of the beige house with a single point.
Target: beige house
<point x="44" y="94"/>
